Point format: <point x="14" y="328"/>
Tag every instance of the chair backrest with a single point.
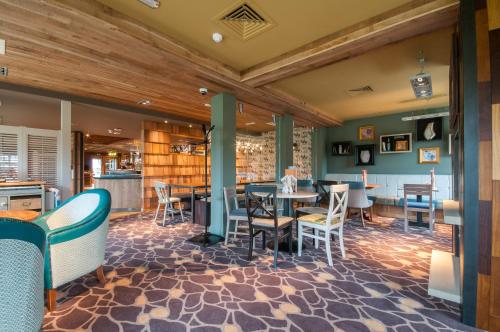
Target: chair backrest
<point x="21" y="275"/>
<point x="339" y="196"/>
<point x="323" y="190"/>
<point x="230" y="199"/>
<point x="418" y="190"/>
<point x="78" y="208"/>
<point x="260" y="202"/>
<point x="357" y="194"/>
<point x="161" y="189"/>
<point x="308" y="186"/>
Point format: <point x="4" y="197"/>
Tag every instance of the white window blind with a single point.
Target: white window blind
<point x="42" y="159"/>
<point x="9" y="158"/>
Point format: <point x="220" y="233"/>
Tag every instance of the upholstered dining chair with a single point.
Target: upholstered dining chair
<point x="413" y="205"/>
<point x="323" y="190"/>
<point x="164" y="198"/>
<point x="21" y="275"/>
<point x="76" y="235"/>
<point x="331" y="223"/>
<point x="234" y="213"/>
<point x="358" y="199"/>
<point x="263" y="217"/>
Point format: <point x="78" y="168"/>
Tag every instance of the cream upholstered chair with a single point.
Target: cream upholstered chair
<point x="358" y="199"/>
<point x="76" y="235"/>
<point x="331" y="223"/>
<point x="164" y="198"/>
<point x="415" y="205"/>
<point x="21" y="276"/>
<point x="234" y="213"/>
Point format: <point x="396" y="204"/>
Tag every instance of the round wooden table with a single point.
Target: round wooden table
<point x="24" y="215"/>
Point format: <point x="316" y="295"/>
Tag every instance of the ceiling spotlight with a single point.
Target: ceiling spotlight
<point x="151" y="3"/>
<point x="87" y="134"/>
<point x="144" y="102"/>
<point x="240" y="108"/>
<point x="190" y="126"/>
<point x="217" y="37"/>
<point x="166" y="121"/>
<point x="249" y="123"/>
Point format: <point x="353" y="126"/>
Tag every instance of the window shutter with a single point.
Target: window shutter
<point x="42" y="159"/>
<point x="9" y="158"/>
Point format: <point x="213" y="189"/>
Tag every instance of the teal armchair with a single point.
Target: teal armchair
<point x="76" y="235"/>
<point x="22" y="248"/>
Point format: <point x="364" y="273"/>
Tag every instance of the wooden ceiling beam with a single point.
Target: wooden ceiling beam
<point x="406" y="21"/>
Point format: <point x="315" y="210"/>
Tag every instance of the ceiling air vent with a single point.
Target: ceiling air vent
<point x="359" y="91"/>
<point x="245" y="21"/>
<point x="4" y="71"/>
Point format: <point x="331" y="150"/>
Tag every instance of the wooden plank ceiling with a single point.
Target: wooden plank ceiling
<point x="87" y="49"/>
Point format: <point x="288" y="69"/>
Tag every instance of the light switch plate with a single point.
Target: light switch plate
<point x="2" y="46"/>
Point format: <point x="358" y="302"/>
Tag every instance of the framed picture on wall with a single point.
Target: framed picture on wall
<point x="341" y="148"/>
<point x="428" y="155"/>
<point x="366" y="133"/>
<point x="429" y="129"/>
<point x="365" y="155"/>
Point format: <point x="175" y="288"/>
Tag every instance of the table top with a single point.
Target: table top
<point x="21" y="183"/>
<point x="370" y="186"/>
<point x="24" y="215"/>
<point x="188" y="185"/>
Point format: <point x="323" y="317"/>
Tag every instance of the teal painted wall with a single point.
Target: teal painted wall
<point x="398" y="163"/>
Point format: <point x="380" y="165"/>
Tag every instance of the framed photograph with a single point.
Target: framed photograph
<point x="365" y="155"/>
<point x="429" y="129"/>
<point x="366" y="133"/>
<point x="428" y="155"/>
<point x="341" y="148"/>
<point x="396" y="143"/>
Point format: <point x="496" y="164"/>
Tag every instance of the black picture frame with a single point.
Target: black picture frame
<point x="342" y="148"/>
<point x="422" y="125"/>
<point x="367" y="147"/>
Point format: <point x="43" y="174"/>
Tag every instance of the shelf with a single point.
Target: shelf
<point x="444" y="276"/>
<point x="451" y="210"/>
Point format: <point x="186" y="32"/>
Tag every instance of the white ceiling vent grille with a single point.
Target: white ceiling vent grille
<point x="245" y="21"/>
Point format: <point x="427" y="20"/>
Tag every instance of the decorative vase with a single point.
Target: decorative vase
<point x="429" y="132"/>
<point x="365" y="156"/>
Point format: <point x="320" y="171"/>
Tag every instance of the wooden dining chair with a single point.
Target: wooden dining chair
<point x="234" y="214"/>
<point x="164" y="198"/>
<point x="323" y="198"/>
<point x="330" y="224"/>
<point x="422" y="190"/>
<point x="262" y="211"/>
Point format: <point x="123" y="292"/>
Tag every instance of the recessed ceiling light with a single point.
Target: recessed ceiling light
<point x="271" y="124"/>
<point x="249" y="123"/>
<point x="190" y="126"/>
<point x="217" y="37"/>
<point x="207" y="105"/>
<point x="151" y="3"/>
<point x="166" y="121"/>
<point x="144" y="102"/>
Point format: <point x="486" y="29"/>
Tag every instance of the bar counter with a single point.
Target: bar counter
<point x="125" y="190"/>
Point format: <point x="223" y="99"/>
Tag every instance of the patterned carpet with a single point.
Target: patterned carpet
<point x="158" y="281"/>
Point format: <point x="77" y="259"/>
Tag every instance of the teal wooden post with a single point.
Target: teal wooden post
<point x="284" y="144"/>
<point x="223" y="156"/>
<point x="319" y="153"/>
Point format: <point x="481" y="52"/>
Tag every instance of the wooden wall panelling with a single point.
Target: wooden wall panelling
<point x="493" y="14"/>
<point x="485" y="170"/>
<point x="496" y="141"/>
<point x="483" y="306"/>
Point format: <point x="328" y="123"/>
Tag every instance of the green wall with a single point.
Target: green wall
<point x="398" y="163"/>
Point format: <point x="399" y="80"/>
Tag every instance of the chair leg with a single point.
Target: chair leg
<point x="362" y="217"/>
<point x="100" y="275"/>
<point x="165" y="214"/>
<point x="172" y="210"/>
<point x="290" y="240"/>
<point x="276" y="244"/>
<point x="51" y="299"/>
<point x="250" y="243"/>
<point x="299" y="248"/>
<point x="157" y="211"/>
<point x="227" y="231"/>
<point x="371" y="213"/>
<point x="180" y="209"/>
<point x="328" y="248"/>
<point x="235" y="229"/>
<point x="406" y="220"/>
<point x="341" y="242"/>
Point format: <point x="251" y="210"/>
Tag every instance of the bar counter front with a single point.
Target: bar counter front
<point x="125" y="189"/>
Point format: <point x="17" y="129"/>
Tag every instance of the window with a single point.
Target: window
<point x="9" y="159"/>
<point x="42" y="159"/>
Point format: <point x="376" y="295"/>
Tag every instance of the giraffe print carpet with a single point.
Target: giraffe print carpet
<point x="158" y="281"/>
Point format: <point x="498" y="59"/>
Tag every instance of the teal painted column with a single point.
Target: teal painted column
<point x="284" y="144"/>
<point x="319" y="153"/>
<point x="223" y="156"/>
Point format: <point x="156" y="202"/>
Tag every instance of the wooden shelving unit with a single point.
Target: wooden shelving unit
<point x="159" y="164"/>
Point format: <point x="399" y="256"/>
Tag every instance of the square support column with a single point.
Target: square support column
<point x="65" y="151"/>
<point x="284" y="144"/>
<point x="319" y="153"/>
<point x="223" y="157"/>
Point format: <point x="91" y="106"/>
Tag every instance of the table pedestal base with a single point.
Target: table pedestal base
<point x="206" y="239"/>
<point x="283" y="246"/>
